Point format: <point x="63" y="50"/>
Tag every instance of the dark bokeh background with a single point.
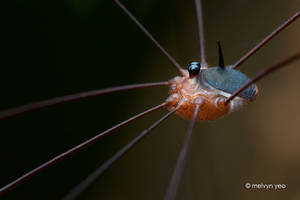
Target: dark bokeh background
<point x="54" y="48"/>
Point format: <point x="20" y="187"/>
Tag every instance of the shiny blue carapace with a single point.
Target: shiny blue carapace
<point x="228" y="80"/>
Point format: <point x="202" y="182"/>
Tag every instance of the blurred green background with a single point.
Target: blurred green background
<point x="54" y="48"/>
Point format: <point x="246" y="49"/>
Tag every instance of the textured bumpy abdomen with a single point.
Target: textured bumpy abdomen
<point x="207" y="111"/>
<point x="188" y="93"/>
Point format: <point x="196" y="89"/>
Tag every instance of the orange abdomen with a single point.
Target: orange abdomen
<point x="188" y="93"/>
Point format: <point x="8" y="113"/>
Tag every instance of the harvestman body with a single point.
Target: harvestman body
<point x="209" y="89"/>
<point x="200" y="93"/>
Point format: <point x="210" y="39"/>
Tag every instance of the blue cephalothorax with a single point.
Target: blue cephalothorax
<point x="228" y="80"/>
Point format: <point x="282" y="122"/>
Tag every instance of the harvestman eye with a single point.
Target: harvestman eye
<point x="194" y="69"/>
<point x="183" y="100"/>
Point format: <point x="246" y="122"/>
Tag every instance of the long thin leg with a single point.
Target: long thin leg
<point x="75" y="149"/>
<point x="171" y="59"/>
<point x="266" y="39"/>
<point x="98" y="172"/>
<point x="10" y="113"/>
<point x="198" y="5"/>
<point x="264" y="73"/>
<point x="177" y="174"/>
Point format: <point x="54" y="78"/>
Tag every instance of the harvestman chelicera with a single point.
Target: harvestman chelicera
<point x="200" y="93"/>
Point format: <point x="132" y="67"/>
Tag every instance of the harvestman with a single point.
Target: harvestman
<point x="200" y="93"/>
